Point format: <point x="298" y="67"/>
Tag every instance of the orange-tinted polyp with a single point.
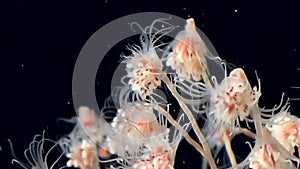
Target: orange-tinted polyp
<point x="188" y="53"/>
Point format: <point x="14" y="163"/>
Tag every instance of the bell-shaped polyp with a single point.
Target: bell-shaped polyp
<point x="131" y="146"/>
<point x="188" y="53"/>
<point x="134" y="126"/>
<point x="87" y="117"/>
<point x="144" y="66"/>
<point x="286" y="129"/>
<point x="93" y="125"/>
<point x="137" y="120"/>
<point x="232" y="100"/>
<point x="268" y="153"/>
<point x="142" y="118"/>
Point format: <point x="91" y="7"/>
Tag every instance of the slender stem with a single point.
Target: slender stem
<point x="206" y="80"/>
<point x="255" y="113"/>
<point x="179" y="127"/>
<point x="190" y="116"/>
<point x="226" y="138"/>
<point x="204" y="164"/>
<point x="245" y="132"/>
<point x="228" y="147"/>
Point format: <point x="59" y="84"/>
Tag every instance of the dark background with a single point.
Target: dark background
<point x="42" y="40"/>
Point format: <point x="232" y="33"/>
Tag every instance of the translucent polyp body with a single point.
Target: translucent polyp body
<point x="135" y="123"/>
<point x="232" y="100"/>
<point x="144" y="66"/>
<point x="286" y="129"/>
<point x="188" y="53"/>
<point x="269" y="154"/>
<point x="136" y="120"/>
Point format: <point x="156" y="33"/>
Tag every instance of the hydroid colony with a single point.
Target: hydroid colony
<point x="135" y="129"/>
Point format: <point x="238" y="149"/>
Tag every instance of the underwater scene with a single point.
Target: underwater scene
<point x="160" y="85"/>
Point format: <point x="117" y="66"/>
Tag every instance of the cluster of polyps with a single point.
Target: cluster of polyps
<point x="142" y="134"/>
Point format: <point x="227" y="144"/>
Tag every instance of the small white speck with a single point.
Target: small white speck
<point x="22" y="65"/>
<point x="108" y="46"/>
<point x="183" y="162"/>
<point x="68" y="102"/>
<point x="184" y="8"/>
<point x="235" y="10"/>
<point x="189" y="16"/>
<point x="295" y="49"/>
<point x="105" y="1"/>
<point x="162" y="26"/>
